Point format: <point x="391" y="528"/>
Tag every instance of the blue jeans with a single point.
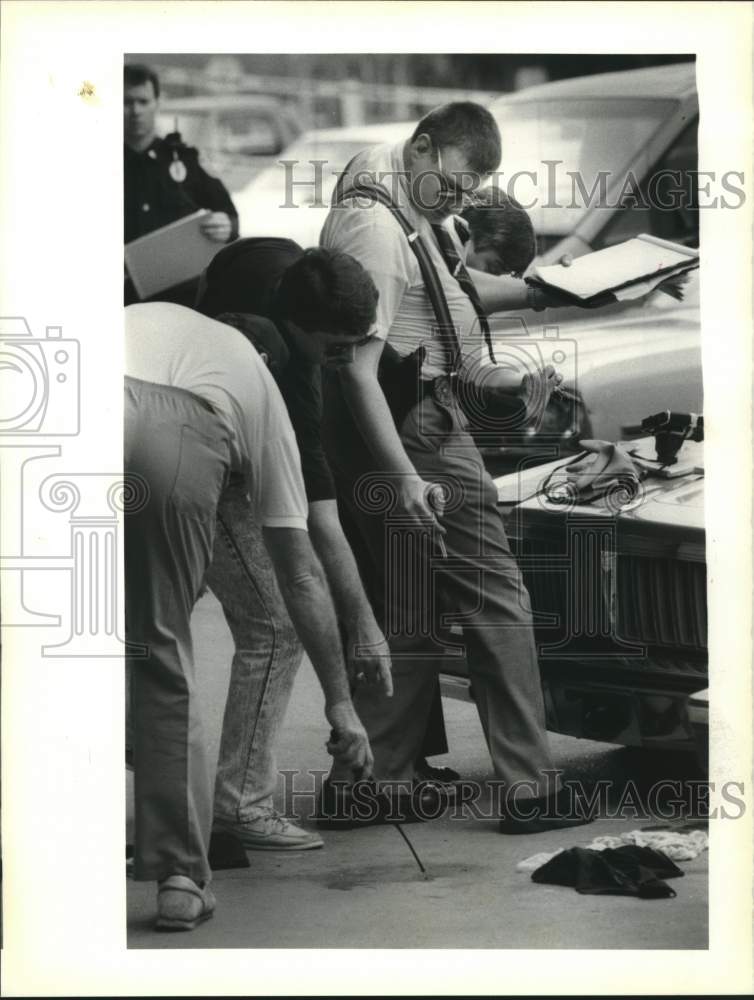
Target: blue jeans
<point x="266" y="659"/>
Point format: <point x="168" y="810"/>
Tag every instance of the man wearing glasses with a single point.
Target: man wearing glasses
<point x="430" y="177"/>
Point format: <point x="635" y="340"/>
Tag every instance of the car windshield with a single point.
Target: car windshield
<point x="334" y="153"/>
<point x="562" y="142"/>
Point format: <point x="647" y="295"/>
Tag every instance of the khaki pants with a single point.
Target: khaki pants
<point x="418" y="594"/>
<point x="178" y="447"/>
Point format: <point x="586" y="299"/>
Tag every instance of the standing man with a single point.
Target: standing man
<point x="201" y="410"/>
<point x="303" y="310"/>
<point x="163" y="180"/>
<point x="451" y="152"/>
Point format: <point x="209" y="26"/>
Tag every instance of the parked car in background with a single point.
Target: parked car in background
<point x="637" y="122"/>
<point x="318" y="156"/>
<point x="631" y="358"/>
<point x="236" y="135"/>
<point x="618" y="595"/>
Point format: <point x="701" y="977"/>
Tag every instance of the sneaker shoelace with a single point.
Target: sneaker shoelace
<point x="273" y="820"/>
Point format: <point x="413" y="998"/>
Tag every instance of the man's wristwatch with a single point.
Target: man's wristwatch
<point x="536" y="298"/>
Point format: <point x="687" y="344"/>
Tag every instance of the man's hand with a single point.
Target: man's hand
<point x="675" y="286"/>
<point x="216" y="227"/>
<point x="536" y="390"/>
<point x="419" y="500"/>
<point x="349" y="743"/>
<point x="371" y="666"/>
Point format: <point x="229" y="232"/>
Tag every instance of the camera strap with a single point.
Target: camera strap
<point x="445" y="326"/>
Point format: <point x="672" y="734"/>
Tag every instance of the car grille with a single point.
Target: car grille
<point x="637" y="611"/>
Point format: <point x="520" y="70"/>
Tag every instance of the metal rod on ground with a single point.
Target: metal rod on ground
<point x="403" y="834"/>
<point x="333" y="737"/>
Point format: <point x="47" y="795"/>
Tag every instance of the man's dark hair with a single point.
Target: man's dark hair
<point x="327" y="290"/>
<point x="470" y="128"/>
<point x="498" y="222"/>
<point x="137" y="74"/>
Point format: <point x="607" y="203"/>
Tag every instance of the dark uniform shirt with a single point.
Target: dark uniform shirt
<point x="242" y="278"/>
<point x="153" y="198"/>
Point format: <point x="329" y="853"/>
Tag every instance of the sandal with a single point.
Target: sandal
<point x="182" y="904"/>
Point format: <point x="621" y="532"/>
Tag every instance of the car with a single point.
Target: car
<point x="236" y="135"/>
<point x="618" y="593"/>
<point x="634" y="122"/>
<point x="317" y="157"/>
<point x="612" y="133"/>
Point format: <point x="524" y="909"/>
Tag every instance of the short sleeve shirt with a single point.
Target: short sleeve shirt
<point x="370" y="234"/>
<point x="170" y="345"/>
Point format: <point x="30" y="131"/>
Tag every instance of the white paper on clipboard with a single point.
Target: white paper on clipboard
<point x="168" y="256"/>
<point x="643" y="261"/>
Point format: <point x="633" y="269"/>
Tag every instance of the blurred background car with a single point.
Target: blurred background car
<point x="573" y="144"/>
<point x="639" y="122"/>
<point x="237" y="135"/>
<point x="625" y="359"/>
<point x="317" y="158"/>
<point x="631" y="358"/>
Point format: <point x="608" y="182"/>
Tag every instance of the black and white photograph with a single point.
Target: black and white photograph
<point x="399" y="610"/>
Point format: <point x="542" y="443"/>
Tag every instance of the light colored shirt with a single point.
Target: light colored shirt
<point x="170" y="345"/>
<point x="370" y="234"/>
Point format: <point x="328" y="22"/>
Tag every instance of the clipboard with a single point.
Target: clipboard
<point x="168" y="256"/>
<point x="624" y="270"/>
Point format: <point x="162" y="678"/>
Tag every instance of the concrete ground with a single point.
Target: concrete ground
<point x="364" y="889"/>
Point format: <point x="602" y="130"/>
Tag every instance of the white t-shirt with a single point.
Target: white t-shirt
<point x="170" y="345"/>
<point x="370" y="234"/>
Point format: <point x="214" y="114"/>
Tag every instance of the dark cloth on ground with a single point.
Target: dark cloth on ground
<point x="620" y="871"/>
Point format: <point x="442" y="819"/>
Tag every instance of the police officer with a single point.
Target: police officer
<point x="163" y="180"/>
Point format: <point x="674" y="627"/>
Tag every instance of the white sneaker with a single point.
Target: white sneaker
<point x="269" y="831"/>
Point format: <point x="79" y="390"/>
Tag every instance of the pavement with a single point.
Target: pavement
<point x="365" y="890"/>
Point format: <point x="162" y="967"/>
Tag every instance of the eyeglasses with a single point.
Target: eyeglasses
<point x="452" y="187"/>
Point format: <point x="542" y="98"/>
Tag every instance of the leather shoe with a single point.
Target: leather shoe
<point x="561" y="811"/>
<point x="428" y="772"/>
<point x="344" y="806"/>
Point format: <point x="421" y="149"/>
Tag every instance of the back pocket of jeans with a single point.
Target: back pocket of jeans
<point x="200" y="474"/>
